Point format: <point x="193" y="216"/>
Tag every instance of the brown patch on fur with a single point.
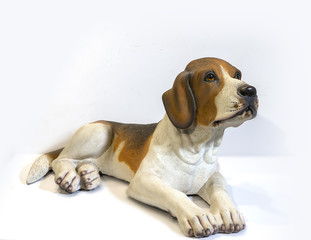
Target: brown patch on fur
<point x="206" y="92"/>
<point x="179" y="102"/>
<point x="136" y="138"/>
<point x="54" y="154"/>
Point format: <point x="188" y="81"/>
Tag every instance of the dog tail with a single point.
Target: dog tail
<point x="42" y="166"/>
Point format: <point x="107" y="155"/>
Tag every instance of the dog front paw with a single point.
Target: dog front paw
<point x="229" y="219"/>
<point x="197" y="223"/>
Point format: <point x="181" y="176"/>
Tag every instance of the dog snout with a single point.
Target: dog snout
<point x="247" y="91"/>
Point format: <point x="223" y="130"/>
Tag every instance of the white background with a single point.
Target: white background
<point x="67" y="63"/>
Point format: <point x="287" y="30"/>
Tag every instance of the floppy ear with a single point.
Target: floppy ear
<point x="179" y="102"/>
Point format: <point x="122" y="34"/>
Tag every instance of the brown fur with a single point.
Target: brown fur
<point x="205" y="92"/>
<point x="54" y="154"/>
<point x="179" y="102"/>
<point x="136" y="138"/>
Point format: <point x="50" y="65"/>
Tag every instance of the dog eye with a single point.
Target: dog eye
<point x="210" y="77"/>
<point x="238" y="75"/>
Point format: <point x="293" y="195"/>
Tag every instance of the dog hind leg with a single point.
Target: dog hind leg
<point x="76" y="168"/>
<point x="89" y="175"/>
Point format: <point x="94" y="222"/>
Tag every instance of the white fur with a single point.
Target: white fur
<point x="182" y="161"/>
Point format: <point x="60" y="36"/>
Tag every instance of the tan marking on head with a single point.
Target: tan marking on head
<point x="191" y="100"/>
<point x="206" y="92"/>
<point x="136" y="138"/>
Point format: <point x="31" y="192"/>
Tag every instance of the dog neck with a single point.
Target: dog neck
<point x="191" y="146"/>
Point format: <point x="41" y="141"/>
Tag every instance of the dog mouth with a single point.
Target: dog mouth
<point x="249" y="112"/>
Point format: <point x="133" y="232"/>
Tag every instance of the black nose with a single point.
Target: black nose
<point x="247" y="91"/>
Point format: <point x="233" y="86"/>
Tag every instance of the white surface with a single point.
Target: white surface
<point x="42" y="211"/>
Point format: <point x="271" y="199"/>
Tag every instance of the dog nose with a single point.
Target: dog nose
<point x="247" y="91"/>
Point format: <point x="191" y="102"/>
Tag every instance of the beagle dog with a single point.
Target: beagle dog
<point x="166" y="161"/>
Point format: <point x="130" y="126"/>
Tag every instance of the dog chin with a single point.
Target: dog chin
<point x="236" y="119"/>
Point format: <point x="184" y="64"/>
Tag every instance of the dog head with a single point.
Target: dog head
<point x="210" y="92"/>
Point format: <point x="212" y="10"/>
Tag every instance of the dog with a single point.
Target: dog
<point x="166" y="161"/>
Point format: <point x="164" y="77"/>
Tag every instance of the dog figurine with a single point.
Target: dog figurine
<point x="166" y="161"/>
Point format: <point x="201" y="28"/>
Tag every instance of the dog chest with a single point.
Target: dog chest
<point x="189" y="178"/>
<point x="185" y="177"/>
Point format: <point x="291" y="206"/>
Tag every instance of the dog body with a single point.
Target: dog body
<point x="167" y="161"/>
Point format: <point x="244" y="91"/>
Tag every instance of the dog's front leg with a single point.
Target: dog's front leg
<point x="228" y="217"/>
<point x="193" y="220"/>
